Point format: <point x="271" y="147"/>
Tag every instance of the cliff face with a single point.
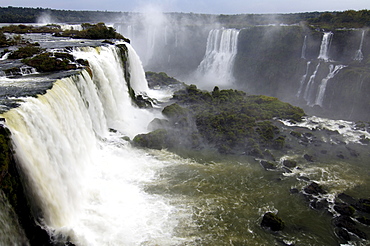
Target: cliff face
<point x="326" y="73"/>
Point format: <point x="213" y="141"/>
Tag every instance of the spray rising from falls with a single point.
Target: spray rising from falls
<point x="84" y="179"/>
<point x="217" y="64"/>
<point x="325" y="45"/>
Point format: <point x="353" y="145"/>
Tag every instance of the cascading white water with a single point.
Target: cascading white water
<point x="358" y="55"/>
<point x="308" y="93"/>
<point x="86" y="180"/>
<point x="304" y="46"/>
<point x="303" y="79"/>
<point x="325" y="45"/>
<point x="109" y="79"/>
<point x="322" y="87"/>
<point x="217" y="64"/>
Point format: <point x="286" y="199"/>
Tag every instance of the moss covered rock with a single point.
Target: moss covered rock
<point x="157" y="139"/>
<point x="272" y="221"/>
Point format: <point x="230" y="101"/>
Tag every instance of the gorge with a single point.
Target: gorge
<point x="86" y="182"/>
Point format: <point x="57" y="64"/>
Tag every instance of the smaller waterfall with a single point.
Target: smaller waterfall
<point x="309" y="87"/>
<point x="359" y="56"/>
<point x="325" y="45"/>
<point x="218" y="61"/>
<point x="322" y="87"/>
<point x="303" y="79"/>
<point x="304" y="46"/>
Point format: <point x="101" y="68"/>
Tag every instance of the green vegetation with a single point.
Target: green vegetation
<point x="26" y="51"/>
<point x="90" y="31"/>
<point x="48" y="62"/>
<point x="93" y="31"/>
<point x="30" y="15"/>
<point x="227" y="120"/>
<point x="346" y="19"/>
<point x="22" y="29"/>
<point x="159" y="79"/>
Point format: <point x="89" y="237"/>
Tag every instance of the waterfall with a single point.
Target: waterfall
<point x="304" y="46"/>
<point x="303" y="79"/>
<point x="217" y="64"/>
<point x="325" y="45"/>
<point x="322" y="87"/>
<point x="113" y="94"/>
<point x="308" y="93"/>
<point x="358" y="55"/>
<point x="85" y="180"/>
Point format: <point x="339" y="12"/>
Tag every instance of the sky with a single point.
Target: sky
<point x="197" y="6"/>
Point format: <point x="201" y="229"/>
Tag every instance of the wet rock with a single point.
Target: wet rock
<point x="363" y="205"/>
<point x="347" y="223"/>
<point x="342" y="234"/>
<point x="319" y="204"/>
<point x="304" y="178"/>
<point x="314" y="189"/>
<point x="347" y="199"/>
<point x="364" y="220"/>
<point x="272" y="221"/>
<point x="267" y="165"/>
<point x="344" y="209"/>
<point x="290" y="163"/>
<point x="308" y="157"/>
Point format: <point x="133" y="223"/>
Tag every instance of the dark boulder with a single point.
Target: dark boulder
<point x="290" y="163"/>
<point x="314" y="189"/>
<point x="347" y="223"/>
<point x="268" y="165"/>
<point x="363" y="205"/>
<point x="344" y="209"/>
<point x="347" y="199"/>
<point x="308" y="157"/>
<point x="364" y="220"/>
<point x="272" y="221"/>
<point x="342" y="234"/>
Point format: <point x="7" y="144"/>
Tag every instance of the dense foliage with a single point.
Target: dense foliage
<point x="21" y="29"/>
<point x="47" y="62"/>
<point x="93" y="31"/>
<point x="346" y="19"/>
<point x="159" y="79"/>
<point x="31" y="15"/>
<point x="228" y="120"/>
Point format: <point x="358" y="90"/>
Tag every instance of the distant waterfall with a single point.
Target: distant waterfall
<point x="308" y="93"/>
<point x="303" y="79"/>
<point x="304" y="46"/>
<point x="322" y="87"/>
<point x="217" y="64"/>
<point x="358" y="55"/>
<point x="325" y="45"/>
<point x="84" y="179"/>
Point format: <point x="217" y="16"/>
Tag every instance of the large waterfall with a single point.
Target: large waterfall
<point x="85" y="180"/>
<point x="216" y="67"/>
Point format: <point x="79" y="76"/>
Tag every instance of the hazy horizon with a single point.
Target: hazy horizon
<point x="198" y="6"/>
